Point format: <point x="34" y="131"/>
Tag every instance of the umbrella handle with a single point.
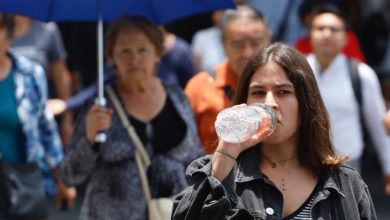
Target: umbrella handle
<point x="101" y="136"/>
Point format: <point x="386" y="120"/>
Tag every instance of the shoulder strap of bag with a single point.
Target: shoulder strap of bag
<point x="144" y="179"/>
<point x="357" y="90"/>
<point x="356" y="82"/>
<point x="126" y="123"/>
<point x="141" y="157"/>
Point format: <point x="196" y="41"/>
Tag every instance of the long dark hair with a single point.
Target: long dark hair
<point x="315" y="150"/>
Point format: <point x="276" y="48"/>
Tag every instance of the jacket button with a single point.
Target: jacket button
<point x="269" y="211"/>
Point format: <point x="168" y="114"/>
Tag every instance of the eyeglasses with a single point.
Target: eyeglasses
<point x="255" y="43"/>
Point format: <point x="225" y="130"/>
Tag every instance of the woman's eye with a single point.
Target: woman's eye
<point x="257" y="93"/>
<point x="283" y="92"/>
<point x="142" y="50"/>
<point x="124" y="52"/>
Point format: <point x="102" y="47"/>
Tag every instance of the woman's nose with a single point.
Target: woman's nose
<point x="270" y="100"/>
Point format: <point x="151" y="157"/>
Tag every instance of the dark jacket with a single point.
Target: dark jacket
<point x="342" y="195"/>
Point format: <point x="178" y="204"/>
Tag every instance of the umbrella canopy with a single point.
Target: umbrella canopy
<point x="159" y="11"/>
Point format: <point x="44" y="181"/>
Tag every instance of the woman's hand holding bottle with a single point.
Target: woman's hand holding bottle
<point x="239" y="128"/>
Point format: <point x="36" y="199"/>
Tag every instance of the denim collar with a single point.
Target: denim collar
<point x="248" y="166"/>
<point x="248" y="170"/>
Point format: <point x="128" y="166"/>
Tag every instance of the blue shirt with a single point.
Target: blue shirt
<point x="177" y="63"/>
<point x="11" y="135"/>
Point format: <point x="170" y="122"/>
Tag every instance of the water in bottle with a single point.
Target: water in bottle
<point x="238" y="123"/>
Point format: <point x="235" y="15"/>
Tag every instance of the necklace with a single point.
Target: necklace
<point x="275" y="164"/>
<point x="283" y="184"/>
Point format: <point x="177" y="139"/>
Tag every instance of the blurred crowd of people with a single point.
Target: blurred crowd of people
<point x="171" y="89"/>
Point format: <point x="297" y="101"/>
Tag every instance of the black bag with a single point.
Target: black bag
<point x="22" y="196"/>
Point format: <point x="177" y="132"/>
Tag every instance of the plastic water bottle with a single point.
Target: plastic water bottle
<point x="238" y="123"/>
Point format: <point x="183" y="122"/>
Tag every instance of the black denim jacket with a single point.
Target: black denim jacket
<point x="248" y="194"/>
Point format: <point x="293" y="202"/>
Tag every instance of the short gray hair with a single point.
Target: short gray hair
<point x="242" y="11"/>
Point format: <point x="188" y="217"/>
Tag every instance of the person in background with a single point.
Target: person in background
<point x="177" y="62"/>
<point x="292" y="173"/>
<point x="386" y="121"/>
<point x="243" y="33"/>
<point x="28" y="131"/>
<point x="328" y="35"/>
<point x="375" y="38"/>
<point x="352" y="46"/>
<point x="282" y="18"/>
<point x="176" y="67"/>
<point x="207" y="45"/>
<point x="160" y="114"/>
<point x="42" y="43"/>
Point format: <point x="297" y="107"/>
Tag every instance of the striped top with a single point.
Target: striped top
<point x="304" y="212"/>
